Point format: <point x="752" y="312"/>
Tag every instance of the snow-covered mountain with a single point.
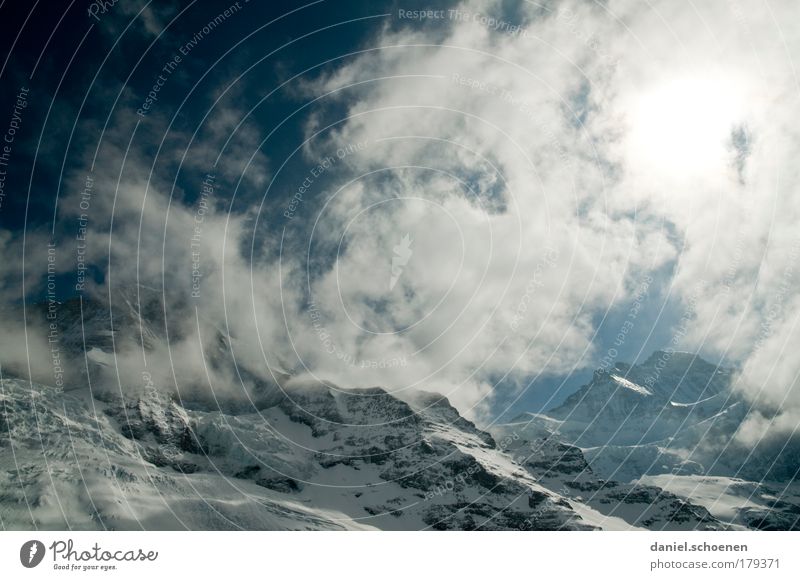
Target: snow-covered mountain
<point x="322" y="458"/>
<point x="286" y="453"/>
<point x="671" y="422"/>
<point x="640" y="404"/>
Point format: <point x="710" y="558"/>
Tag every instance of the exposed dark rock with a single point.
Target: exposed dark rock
<point x="279" y="483"/>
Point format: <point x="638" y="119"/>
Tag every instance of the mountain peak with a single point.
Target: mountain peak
<point x="643" y="402"/>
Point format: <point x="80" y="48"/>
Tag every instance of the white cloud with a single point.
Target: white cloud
<point x="538" y="173"/>
<point x="614" y="133"/>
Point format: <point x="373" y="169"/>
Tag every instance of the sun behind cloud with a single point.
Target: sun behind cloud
<point x="683" y="125"/>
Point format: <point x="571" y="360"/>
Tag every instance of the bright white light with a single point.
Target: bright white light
<point x="683" y="126"/>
